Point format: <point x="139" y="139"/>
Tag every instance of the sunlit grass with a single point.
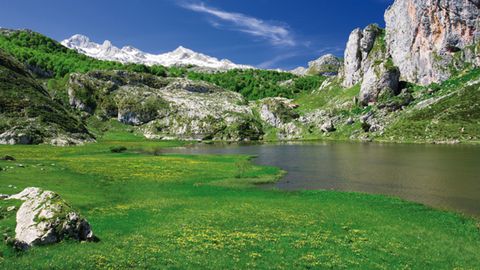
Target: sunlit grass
<point x="204" y="211"/>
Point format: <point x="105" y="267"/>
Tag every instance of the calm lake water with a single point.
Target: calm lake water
<point x="442" y="176"/>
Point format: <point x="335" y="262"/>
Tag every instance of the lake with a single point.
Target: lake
<point x="442" y="176"/>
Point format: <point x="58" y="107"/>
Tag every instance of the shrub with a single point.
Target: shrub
<point x="118" y="149"/>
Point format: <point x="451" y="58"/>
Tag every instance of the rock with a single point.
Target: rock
<point x="4" y="196"/>
<point x="366" y="117"/>
<point x="280" y="113"/>
<point x="277" y="111"/>
<point x="7" y="157"/>
<point x="15" y="136"/>
<point x="372" y="123"/>
<point x="320" y="120"/>
<point x="379" y="80"/>
<point x="29" y="114"/>
<point x="289" y="131"/>
<point x="10" y="208"/>
<point x="327" y="127"/>
<point x="327" y="65"/>
<point x="300" y="71"/>
<point x="353" y="59"/>
<point x="350" y="121"/>
<point x="426" y="37"/>
<point x="365" y="49"/>
<point x="167" y="108"/>
<point x="44" y="218"/>
<point x="368" y="62"/>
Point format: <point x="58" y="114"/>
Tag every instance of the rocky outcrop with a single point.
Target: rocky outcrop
<point x="166" y="108"/>
<point x="427" y="39"/>
<point x="44" y="218"/>
<point x="353" y="59"/>
<point x="320" y="120"/>
<point x="28" y="113"/>
<point x="300" y="71"/>
<point x="380" y="79"/>
<point x="367" y="62"/>
<point x="327" y="65"/>
<point x="280" y="113"/>
<point x="365" y="48"/>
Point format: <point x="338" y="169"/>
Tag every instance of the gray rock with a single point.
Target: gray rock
<point x="423" y="36"/>
<point x="350" y="121"/>
<point x="327" y="65"/>
<point x="371" y="122"/>
<point x="369" y="35"/>
<point x="168" y="108"/>
<point x="44" y="218"/>
<point x="379" y="80"/>
<point x="280" y="113"/>
<point x="361" y="54"/>
<point x="327" y="127"/>
<point x="353" y="59"/>
<point x="300" y="71"/>
<point x="277" y="111"/>
<point x="15" y="136"/>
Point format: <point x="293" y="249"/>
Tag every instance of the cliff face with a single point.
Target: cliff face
<point x="367" y="61"/>
<point x="427" y="39"/>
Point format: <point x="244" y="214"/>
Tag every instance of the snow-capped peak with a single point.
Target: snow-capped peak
<point x="77" y="41"/>
<point x="128" y="54"/>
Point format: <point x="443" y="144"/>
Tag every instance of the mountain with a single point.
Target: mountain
<point x="377" y="95"/>
<point x="430" y="39"/>
<point x="29" y="115"/>
<point x="128" y="54"/>
<point x="326" y="65"/>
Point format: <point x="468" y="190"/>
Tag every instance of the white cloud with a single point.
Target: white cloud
<point x="277" y="34"/>
<point x="274" y="61"/>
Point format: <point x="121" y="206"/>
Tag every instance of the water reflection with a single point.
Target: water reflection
<point x="444" y="176"/>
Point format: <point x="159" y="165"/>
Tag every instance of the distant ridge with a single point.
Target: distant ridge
<point x="128" y="54"/>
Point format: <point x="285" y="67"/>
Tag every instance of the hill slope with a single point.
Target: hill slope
<point x="28" y="115"/>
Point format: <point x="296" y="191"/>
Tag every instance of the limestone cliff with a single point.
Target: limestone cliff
<point x="368" y="62"/>
<point x="428" y="39"/>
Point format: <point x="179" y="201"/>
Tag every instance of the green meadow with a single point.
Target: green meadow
<point x="153" y="210"/>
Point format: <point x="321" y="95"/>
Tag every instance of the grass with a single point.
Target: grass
<point x="332" y="97"/>
<point x="183" y="212"/>
<point x="454" y="117"/>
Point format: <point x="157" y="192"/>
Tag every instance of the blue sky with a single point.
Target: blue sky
<point x="264" y="33"/>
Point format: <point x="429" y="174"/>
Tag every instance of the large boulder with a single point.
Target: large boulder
<point x="427" y="38"/>
<point x="44" y="218"/>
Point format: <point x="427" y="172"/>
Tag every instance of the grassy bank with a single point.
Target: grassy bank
<point x="154" y="210"/>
